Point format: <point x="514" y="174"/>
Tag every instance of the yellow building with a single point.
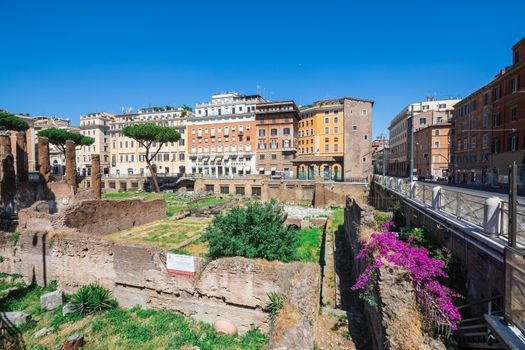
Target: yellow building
<point x="335" y="140"/>
<point x="320" y="143"/>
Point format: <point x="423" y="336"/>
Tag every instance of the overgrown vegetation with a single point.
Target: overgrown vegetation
<point x="91" y="299"/>
<point x="117" y="328"/>
<point x="256" y="231"/>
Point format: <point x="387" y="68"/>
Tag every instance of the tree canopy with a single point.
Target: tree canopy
<point x="256" y="231"/>
<point x="147" y="135"/>
<point x="58" y="137"/>
<point x="10" y="121"/>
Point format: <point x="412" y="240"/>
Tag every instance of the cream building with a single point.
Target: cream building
<point x="57" y="158"/>
<point x="95" y="125"/>
<point x="403" y="125"/>
<point x="127" y="157"/>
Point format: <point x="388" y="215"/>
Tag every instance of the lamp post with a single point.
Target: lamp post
<point x="411" y="142"/>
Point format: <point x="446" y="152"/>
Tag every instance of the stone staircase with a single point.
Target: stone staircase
<point x="474" y="333"/>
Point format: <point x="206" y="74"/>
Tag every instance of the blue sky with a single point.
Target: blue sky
<point x="68" y="58"/>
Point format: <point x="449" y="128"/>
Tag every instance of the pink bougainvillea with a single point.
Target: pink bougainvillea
<point x="386" y="248"/>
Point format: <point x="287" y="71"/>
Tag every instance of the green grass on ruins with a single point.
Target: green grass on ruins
<point x="309" y="247"/>
<point x="118" y="328"/>
<point x="166" y="233"/>
<point x="175" y="203"/>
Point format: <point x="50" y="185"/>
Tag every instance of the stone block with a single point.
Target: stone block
<point x="74" y="342"/>
<point x="42" y="332"/>
<point x="52" y="300"/>
<point x="15" y="318"/>
<point x="67" y="309"/>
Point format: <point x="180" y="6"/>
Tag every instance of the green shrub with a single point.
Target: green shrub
<point x="91" y="299"/>
<point x="256" y="231"/>
<point x="275" y="303"/>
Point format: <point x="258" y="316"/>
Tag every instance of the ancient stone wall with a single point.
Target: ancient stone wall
<point x="317" y="193"/>
<point x="395" y="322"/>
<point x="227" y="288"/>
<point x="96" y="217"/>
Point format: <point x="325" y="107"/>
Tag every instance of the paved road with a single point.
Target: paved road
<point x="481" y="193"/>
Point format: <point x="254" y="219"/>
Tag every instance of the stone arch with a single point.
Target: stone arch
<point x="337" y="171"/>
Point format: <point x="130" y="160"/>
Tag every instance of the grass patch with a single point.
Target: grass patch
<point x="117" y="328"/>
<point x="175" y="203"/>
<point x="309" y="248"/>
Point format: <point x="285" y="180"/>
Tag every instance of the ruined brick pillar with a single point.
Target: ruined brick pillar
<point x="21" y="156"/>
<point x="7" y="174"/>
<point x="71" y="165"/>
<point x="96" y="176"/>
<point x="44" y="168"/>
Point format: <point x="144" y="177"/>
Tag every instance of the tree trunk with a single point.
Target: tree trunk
<point x="153" y="173"/>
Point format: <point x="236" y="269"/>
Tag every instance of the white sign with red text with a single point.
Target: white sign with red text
<point x="180" y="264"/>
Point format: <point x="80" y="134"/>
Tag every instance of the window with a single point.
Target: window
<point x="364" y="112"/>
<point x="486" y="99"/>
<point x="262" y="132"/>
<point x="485" y="122"/>
<point x="485" y="140"/>
<point x="256" y="192"/>
<point x="225" y="189"/>
<point x="514" y="113"/>
<point x="261" y="156"/>
<point x="336" y="119"/>
<point x="422" y="121"/>
<point x="496" y="119"/>
<point x="436" y="132"/>
<point x="239" y="190"/>
<point x="326" y="130"/>
<point x="327" y="147"/>
<point x="210" y="188"/>
<point x="336" y="147"/>
<point x="273" y="132"/>
<point x="274" y="156"/>
<point x="513" y="143"/>
<point x="336" y="130"/>
<point x="326" y="113"/>
<point x="326" y="120"/>
<point x="496" y="145"/>
<point x="286" y="131"/>
<point x="514" y="84"/>
<point x="354" y="127"/>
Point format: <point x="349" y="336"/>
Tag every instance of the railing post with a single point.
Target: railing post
<point x="458" y="204"/>
<point x="399" y="183"/>
<point x="513" y="204"/>
<point x="436" y="197"/>
<point x="412" y="189"/>
<point x="492" y="216"/>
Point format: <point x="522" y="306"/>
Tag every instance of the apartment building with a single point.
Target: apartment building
<point x="380" y="153"/>
<point x="411" y="118"/>
<point x="335" y="140"/>
<point x="432" y="147"/>
<point x="221" y="136"/>
<point x="128" y="156"/>
<point x="489" y="127"/>
<point x="56" y="157"/>
<point x="277" y="131"/>
<point x="95" y="125"/>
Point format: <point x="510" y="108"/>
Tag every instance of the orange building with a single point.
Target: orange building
<point x="335" y="140"/>
<point x="432" y="151"/>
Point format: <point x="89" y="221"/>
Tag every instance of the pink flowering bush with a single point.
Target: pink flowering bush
<point x="424" y="271"/>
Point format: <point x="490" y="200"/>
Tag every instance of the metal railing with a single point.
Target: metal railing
<point x="470" y="208"/>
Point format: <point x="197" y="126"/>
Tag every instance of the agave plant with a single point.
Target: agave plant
<point x="92" y="298"/>
<point x="275" y="303"/>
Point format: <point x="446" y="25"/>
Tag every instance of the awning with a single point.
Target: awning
<point x="218" y="159"/>
<point x="261" y="169"/>
<point x="274" y="169"/>
<point x="205" y="160"/>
